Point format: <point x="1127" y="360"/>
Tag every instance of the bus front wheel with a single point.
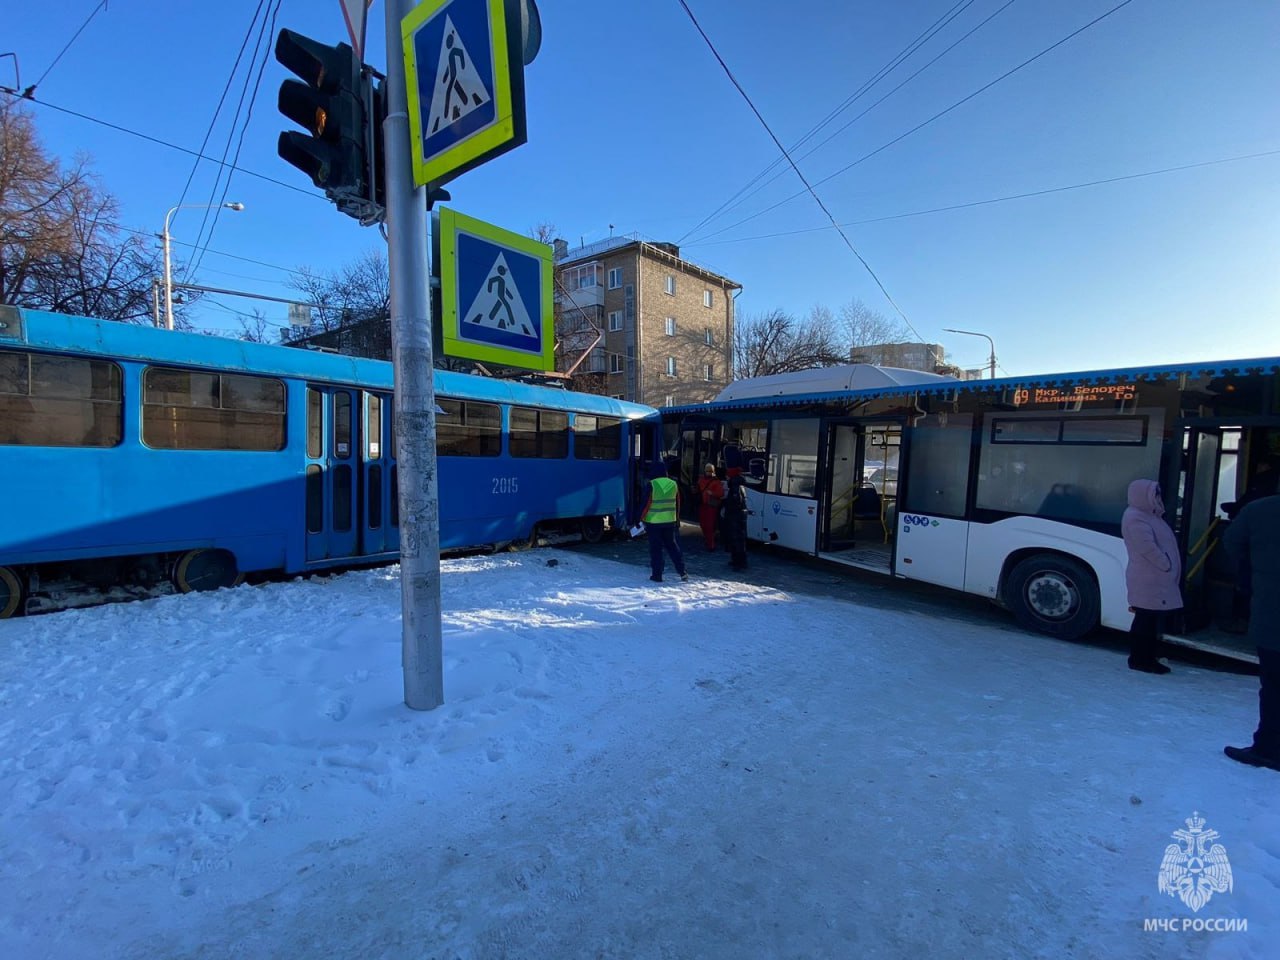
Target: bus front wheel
<point x="10" y="593"/>
<point x="1053" y="594"/>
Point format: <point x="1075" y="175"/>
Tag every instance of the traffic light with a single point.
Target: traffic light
<point x="341" y="109"/>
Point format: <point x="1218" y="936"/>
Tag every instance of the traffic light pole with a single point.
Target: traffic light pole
<point x="415" y="424"/>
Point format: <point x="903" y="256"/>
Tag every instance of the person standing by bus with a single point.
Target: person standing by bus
<point x="1253" y="542"/>
<point x="735" y="521"/>
<point x="710" y="495"/>
<point x="661" y="518"/>
<point x="1152" y="576"/>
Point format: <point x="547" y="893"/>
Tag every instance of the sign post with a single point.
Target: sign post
<point x="407" y="244"/>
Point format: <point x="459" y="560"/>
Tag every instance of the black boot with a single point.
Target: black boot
<point x="1252" y="757"/>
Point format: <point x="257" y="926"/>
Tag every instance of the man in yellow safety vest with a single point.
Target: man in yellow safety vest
<point x="662" y="522"/>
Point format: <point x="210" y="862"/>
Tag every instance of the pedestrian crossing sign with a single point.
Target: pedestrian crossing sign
<point x="496" y="303"/>
<point x="464" y="71"/>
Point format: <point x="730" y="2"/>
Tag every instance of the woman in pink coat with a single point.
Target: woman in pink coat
<point x="1153" y="575"/>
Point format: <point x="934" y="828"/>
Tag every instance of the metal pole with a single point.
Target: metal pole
<point x="168" y="274"/>
<point x="970" y="333"/>
<point x="155" y="300"/>
<point x="407" y="246"/>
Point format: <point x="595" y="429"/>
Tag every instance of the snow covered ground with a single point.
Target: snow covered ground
<point x="622" y="769"/>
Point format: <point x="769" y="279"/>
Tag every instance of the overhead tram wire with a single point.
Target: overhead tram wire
<point x="235" y="67"/>
<point x="814" y="149"/>
<point x="240" y="144"/>
<point x="164" y="143"/>
<point x="924" y="123"/>
<point x="216" y="208"/>
<point x="812" y="192"/>
<point x="49" y="69"/>
<point x="991" y="200"/>
<point x="901" y="56"/>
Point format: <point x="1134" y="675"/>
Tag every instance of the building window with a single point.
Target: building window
<point x="670" y="285"/>
<point x="671" y="326"/>
<point x="708" y="371"/>
<point x="615" y="278"/>
<point x="615" y="320"/>
<point x="615" y="363"/>
<point x="579" y="278"/>
<point x="670" y="400"/>
<point x="706" y="298"/>
<point x="671" y="366"/>
<point x="709" y="337"/>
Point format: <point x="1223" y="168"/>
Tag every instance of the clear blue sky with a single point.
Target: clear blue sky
<point x="633" y="123"/>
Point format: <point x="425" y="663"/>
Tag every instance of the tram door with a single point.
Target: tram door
<point x="332" y="472"/>
<point x="379" y="507"/>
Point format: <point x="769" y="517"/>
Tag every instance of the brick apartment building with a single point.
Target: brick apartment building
<point x="637" y="321"/>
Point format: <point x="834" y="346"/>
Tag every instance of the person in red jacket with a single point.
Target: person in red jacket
<point x="710" y="495"/>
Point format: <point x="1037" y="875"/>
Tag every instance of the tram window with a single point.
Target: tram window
<point x="468" y="429"/>
<point x="315" y="498"/>
<point x="375" y="496"/>
<point x="341" y="476"/>
<point x="374" y="451"/>
<point x="342" y="425"/>
<point x="538" y="433"/>
<point x="59" y="401"/>
<point x="793" y="458"/>
<point x="597" y="438"/>
<point x="192" y="410"/>
<point x="315" y="424"/>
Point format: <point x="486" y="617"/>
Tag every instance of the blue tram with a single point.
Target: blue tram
<point x="133" y="455"/>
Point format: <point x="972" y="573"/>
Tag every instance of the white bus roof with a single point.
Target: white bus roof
<point x="851" y="376"/>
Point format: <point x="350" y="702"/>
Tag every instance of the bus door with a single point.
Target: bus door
<point x="788" y="505"/>
<point x="646" y="448"/>
<point x="860" y="484"/>
<point x="332" y="465"/>
<point x="698" y="447"/>
<point x="381" y="533"/>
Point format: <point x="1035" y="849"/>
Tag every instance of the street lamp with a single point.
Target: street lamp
<point x="970" y="333"/>
<point x="168" y="268"/>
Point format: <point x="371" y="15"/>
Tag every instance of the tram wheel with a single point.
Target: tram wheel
<point x="200" y="570"/>
<point x="1053" y="594"/>
<point x="10" y="593"/>
<point x="592" y="529"/>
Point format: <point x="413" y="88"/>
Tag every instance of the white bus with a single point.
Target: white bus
<point x="1010" y="489"/>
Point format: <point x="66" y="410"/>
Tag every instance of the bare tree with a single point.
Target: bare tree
<point x="61" y="244"/>
<point x="776" y="342"/>
<point x="862" y="327"/>
<point x="354" y="293"/>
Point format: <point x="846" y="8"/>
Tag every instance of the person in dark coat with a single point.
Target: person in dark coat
<point x="1153" y="576"/>
<point x="735" y="520"/>
<point x="661" y="518"/>
<point x="1253" y="542"/>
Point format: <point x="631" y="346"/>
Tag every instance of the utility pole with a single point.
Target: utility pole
<point x="407" y="246"/>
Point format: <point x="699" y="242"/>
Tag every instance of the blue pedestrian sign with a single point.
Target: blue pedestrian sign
<point x="464" y="71"/>
<point x="496" y="303"/>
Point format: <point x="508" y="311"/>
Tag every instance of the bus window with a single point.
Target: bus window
<point x="1073" y="468"/>
<point x="793" y="461"/>
<point x="938" y="471"/>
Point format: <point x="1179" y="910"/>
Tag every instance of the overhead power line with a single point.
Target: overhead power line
<point x="734" y="80"/>
<point x="49" y="69"/>
<point x="866" y="85"/>
<point x="924" y="123"/>
<point x="1013" y="196"/>
<point x="164" y="143"/>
